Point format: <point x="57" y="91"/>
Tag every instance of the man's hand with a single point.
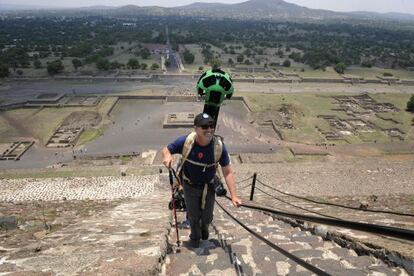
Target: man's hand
<point x="236" y="201"/>
<point x="167" y="161"/>
<point x="167" y="158"/>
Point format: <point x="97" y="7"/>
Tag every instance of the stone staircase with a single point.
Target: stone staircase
<point x="231" y="250"/>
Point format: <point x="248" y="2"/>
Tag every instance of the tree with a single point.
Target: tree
<point x="340" y="67"/>
<point x="55" y="67"/>
<point x="4" y="71"/>
<point x="215" y="63"/>
<point x="76" y="63"/>
<point x="286" y="63"/>
<point x="240" y="58"/>
<point x="155" y="66"/>
<point x="37" y="64"/>
<point x="410" y="104"/>
<point x="144" y="66"/>
<point x="115" y="65"/>
<point x="167" y="63"/>
<point x="145" y="53"/>
<point x="188" y="57"/>
<point x="366" y="63"/>
<point x="230" y="61"/>
<point x="133" y="63"/>
<point x="103" y="64"/>
<point x="19" y="72"/>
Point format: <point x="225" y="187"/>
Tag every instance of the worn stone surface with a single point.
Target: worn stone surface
<point x="234" y="251"/>
<point x="128" y="239"/>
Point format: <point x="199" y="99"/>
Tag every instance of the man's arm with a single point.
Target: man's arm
<point x="167" y="157"/>
<point x="231" y="184"/>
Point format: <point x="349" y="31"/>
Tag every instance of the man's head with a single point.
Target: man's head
<point x="204" y="127"/>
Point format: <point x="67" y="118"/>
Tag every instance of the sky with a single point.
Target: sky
<point x="404" y="6"/>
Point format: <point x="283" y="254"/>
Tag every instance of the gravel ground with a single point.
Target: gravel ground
<point x="371" y="177"/>
<point x="94" y="188"/>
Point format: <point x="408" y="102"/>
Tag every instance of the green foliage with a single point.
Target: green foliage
<point x="367" y="63"/>
<point x="133" y="63"/>
<point x="340" y="67"/>
<point x="240" y="58"/>
<point x="167" y="63"/>
<point x="103" y="64"/>
<point x="188" y="57"/>
<point x="286" y="63"/>
<point x="155" y="66"/>
<point x="144" y="66"/>
<point x="215" y="63"/>
<point x="4" y="71"/>
<point x="37" y="64"/>
<point x="387" y="74"/>
<point x="144" y="53"/>
<point x="410" y="104"/>
<point x="317" y="44"/>
<point x="55" y="67"/>
<point x="76" y="63"/>
<point x="115" y="65"/>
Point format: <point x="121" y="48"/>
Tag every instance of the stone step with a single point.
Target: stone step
<point x="259" y="258"/>
<point x="213" y="257"/>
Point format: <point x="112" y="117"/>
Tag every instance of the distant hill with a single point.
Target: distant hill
<point x="257" y="9"/>
<point x="252" y="9"/>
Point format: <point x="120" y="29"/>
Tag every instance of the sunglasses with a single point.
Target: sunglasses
<point x="207" y="126"/>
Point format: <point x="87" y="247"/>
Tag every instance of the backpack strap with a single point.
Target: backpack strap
<point x="188" y="145"/>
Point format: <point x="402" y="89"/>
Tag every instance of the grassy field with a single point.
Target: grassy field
<point x="41" y="123"/>
<point x="29" y="122"/>
<point x="305" y="108"/>
<point x="372" y="73"/>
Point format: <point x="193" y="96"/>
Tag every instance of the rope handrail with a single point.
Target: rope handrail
<point x="390" y="231"/>
<point x="294" y="258"/>
<point x="298" y="207"/>
<point x="334" y="204"/>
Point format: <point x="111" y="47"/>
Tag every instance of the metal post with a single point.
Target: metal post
<point x="253" y="185"/>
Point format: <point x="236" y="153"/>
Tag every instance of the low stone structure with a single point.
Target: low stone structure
<point x="13" y="151"/>
<point x="64" y="137"/>
<point x="179" y="119"/>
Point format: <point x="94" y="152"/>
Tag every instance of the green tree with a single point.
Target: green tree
<point x="4" y="71"/>
<point x="76" y="63"/>
<point x="155" y="66"/>
<point x="240" y="58"/>
<point x="188" y="57"/>
<point x="410" y="104"/>
<point x="55" y="67"/>
<point x="286" y="63"/>
<point x="167" y="63"/>
<point x="115" y="65"/>
<point x="133" y="63"/>
<point x="145" y="53"/>
<point x="103" y="64"/>
<point x="144" y="66"/>
<point x="366" y="63"/>
<point x="340" y="67"/>
<point x="215" y="63"/>
<point x="37" y="64"/>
